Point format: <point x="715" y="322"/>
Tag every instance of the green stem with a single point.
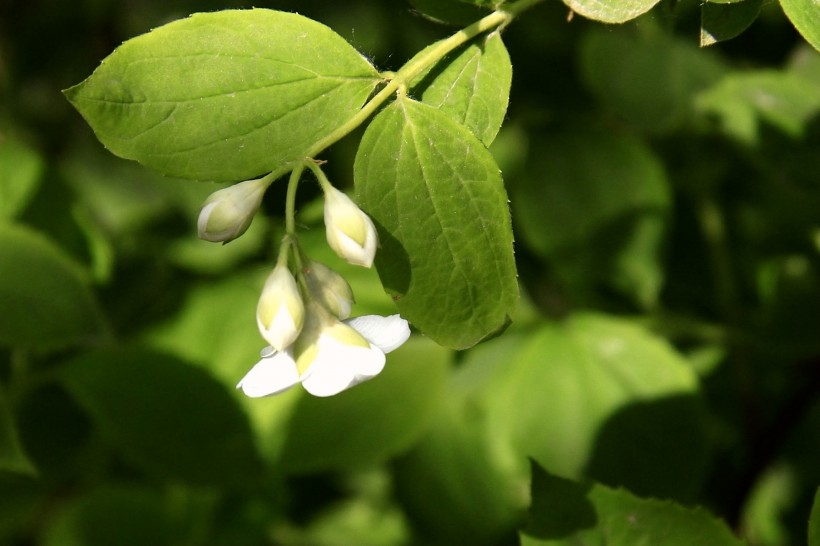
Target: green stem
<point x="421" y="62"/>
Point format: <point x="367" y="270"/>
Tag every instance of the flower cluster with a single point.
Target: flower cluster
<point x="304" y="309"/>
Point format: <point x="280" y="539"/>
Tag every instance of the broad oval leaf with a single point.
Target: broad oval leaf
<point x="473" y="86"/>
<point x="46" y="300"/>
<point x="167" y="417"/>
<point x="606" y="399"/>
<point x="438" y="200"/>
<point x="224" y="96"/>
<point x="610" y="11"/>
<point x="805" y="16"/>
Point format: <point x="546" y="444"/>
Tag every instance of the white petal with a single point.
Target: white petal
<point x="271" y="375"/>
<point x="338" y="367"/>
<point x="387" y="333"/>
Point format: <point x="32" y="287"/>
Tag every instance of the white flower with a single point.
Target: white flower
<point x="228" y="213"/>
<point x="350" y="232"/>
<point x="329" y="288"/>
<point x="280" y="313"/>
<point x="337" y="357"/>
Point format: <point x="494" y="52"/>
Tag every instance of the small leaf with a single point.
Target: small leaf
<point x="805" y="16"/>
<point x="20" y="170"/>
<point x="722" y="21"/>
<point x="224" y="96"/>
<point x="372" y="421"/>
<point x="437" y="198"/>
<point x="473" y="86"/>
<point x="610" y="11"/>
<point x="565" y="513"/>
<point x="168" y="418"/>
<point x="45" y="298"/>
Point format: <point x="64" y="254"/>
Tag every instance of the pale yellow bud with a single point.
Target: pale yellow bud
<point x="228" y="213"/>
<point x="350" y="232"/>
<point x="280" y="313"/>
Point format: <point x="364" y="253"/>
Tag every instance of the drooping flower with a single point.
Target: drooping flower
<point x="227" y="213"/>
<point x="350" y="232"/>
<point x="280" y="313"/>
<point x="329" y="288"/>
<point x="331" y="356"/>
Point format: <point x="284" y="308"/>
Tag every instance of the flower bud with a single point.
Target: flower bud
<point x="330" y="289"/>
<point x="350" y="232"/>
<point x="280" y="313"/>
<point x="227" y="213"/>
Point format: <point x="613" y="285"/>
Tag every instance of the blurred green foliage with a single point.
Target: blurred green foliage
<point x="666" y="208"/>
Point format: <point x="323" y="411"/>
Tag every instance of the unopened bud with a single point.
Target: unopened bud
<point x="350" y="232"/>
<point x="227" y="213"/>
<point x="330" y="289"/>
<point x="280" y="313"/>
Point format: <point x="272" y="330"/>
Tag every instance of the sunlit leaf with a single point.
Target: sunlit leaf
<point x="224" y="96"/>
<point x="46" y="300"/>
<point x="805" y="16"/>
<point x="610" y="11"/>
<point x="604" y="399"/>
<point x="566" y="513"/>
<point x="439" y="203"/>
<point x="473" y="86"/>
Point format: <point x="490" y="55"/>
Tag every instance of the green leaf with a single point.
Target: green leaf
<point x="12" y="457"/>
<point x="45" y="298"/>
<point x="805" y="16"/>
<point x="604" y="399"/>
<point x="568" y="513"/>
<point x="168" y="418"/>
<point x="225" y="96"/>
<point x="814" y="521"/>
<point x="20" y="171"/>
<point x="473" y="86"/>
<point x="722" y="21"/>
<point x="741" y="101"/>
<point x="373" y="421"/>
<point x="116" y="515"/>
<point x="610" y="11"/>
<point x="594" y="204"/>
<point x="648" y="78"/>
<point x="440" y="205"/>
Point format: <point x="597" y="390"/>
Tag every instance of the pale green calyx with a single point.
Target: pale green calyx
<point x="280" y="313"/>
<point x="227" y="213"/>
<point x="329" y="288"/>
<point x="350" y="232"/>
